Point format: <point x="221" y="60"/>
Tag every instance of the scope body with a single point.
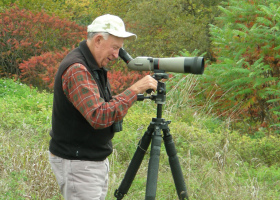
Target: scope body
<point x="194" y="65"/>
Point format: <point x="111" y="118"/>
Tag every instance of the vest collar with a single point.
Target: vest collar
<point x="88" y="56"/>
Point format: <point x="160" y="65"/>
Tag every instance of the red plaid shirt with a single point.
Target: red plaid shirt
<point x="81" y="89"/>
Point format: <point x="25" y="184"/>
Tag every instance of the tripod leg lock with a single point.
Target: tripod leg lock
<point x="119" y="195"/>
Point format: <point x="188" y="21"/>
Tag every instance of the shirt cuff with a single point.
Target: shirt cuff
<point x="130" y="95"/>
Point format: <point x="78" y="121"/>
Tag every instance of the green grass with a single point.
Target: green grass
<point x="216" y="163"/>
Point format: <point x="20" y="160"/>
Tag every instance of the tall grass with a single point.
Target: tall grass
<point x="216" y="163"/>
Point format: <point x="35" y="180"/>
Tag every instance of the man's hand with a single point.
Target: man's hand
<point x="144" y="84"/>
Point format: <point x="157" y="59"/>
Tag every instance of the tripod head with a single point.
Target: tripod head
<point x="160" y="97"/>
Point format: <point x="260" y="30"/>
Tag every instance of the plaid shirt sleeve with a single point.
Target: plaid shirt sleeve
<point x="81" y="89"/>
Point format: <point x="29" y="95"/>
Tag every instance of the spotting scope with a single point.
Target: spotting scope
<point x="193" y="65"/>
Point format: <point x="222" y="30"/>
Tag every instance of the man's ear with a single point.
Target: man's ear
<point x="97" y="40"/>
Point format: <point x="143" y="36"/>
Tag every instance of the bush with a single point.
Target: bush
<point x="123" y="79"/>
<point x="40" y="71"/>
<point x="24" y="34"/>
<point x="246" y="74"/>
<point x="33" y="45"/>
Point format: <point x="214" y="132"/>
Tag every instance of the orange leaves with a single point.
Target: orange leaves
<point x="120" y="80"/>
<point x="40" y="70"/>
<point x="38" y="44"/>
<point x="27" y="37"/>
<point x="6" y="20"/>
<point x="24" y="43"/>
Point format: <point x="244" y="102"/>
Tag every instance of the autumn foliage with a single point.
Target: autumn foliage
<point x="32" y="46"/>
<point x="40" y="70"/>
<point x="24" y="34"/>
<point x="122" y="79"/>
<point x="246" y="74"/>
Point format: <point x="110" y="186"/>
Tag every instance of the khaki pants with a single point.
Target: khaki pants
<point x="81" y="179"/>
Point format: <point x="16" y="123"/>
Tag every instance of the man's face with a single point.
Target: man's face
<point x="107" y="50"/>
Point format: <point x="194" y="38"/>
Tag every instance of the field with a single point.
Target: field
<point x="217" y="163"/>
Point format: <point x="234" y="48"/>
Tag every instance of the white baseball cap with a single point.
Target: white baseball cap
<point x="111" y="24"/>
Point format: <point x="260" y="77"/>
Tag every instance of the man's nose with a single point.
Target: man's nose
<point x="116" y="53"/>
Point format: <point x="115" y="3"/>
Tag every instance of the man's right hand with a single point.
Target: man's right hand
<point x="148" y="82"/>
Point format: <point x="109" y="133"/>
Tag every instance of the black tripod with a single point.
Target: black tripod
<point x="154" y="133"/>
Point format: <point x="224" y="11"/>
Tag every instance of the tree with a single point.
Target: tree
<point x="59" y="8"/>
<point x="166" y="27"/>
<point x="247" y="49"/>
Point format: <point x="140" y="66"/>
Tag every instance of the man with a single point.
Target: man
<point x="85" y="115"/>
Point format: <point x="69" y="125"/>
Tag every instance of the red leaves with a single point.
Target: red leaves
<point x="30" y="42"/>
<point x="40" y="70"/>
<point x="122" y="79"/>
<point x="35" y="43"/>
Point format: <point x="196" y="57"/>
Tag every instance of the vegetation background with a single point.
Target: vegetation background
<point x="225" y="123"/>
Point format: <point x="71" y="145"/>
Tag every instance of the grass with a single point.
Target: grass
<point x="216" y="163"/>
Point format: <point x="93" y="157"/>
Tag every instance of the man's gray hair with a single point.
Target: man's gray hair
<point x="92" y="34"/>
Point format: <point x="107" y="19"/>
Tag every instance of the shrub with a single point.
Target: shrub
<point x="122" y="79"/>
<point x="33" y="45"/>
<point x="40" y="70"/>
<point x="247" y="70"/>
<point x="24" y="34"/>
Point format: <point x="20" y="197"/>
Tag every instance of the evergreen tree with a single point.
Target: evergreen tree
<point x="247" y="49"/>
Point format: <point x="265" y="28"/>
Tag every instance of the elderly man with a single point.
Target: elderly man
<point x="85" y="114"/>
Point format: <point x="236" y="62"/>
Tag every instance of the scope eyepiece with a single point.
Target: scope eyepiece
<point x="125" y="56"/>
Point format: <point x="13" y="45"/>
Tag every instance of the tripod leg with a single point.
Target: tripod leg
<point x="175" y="165"/>
<point x="134" y="164"/>
<point x="152" y="177"/>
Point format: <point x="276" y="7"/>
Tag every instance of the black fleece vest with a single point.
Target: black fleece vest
<point x="72" y="137"/>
